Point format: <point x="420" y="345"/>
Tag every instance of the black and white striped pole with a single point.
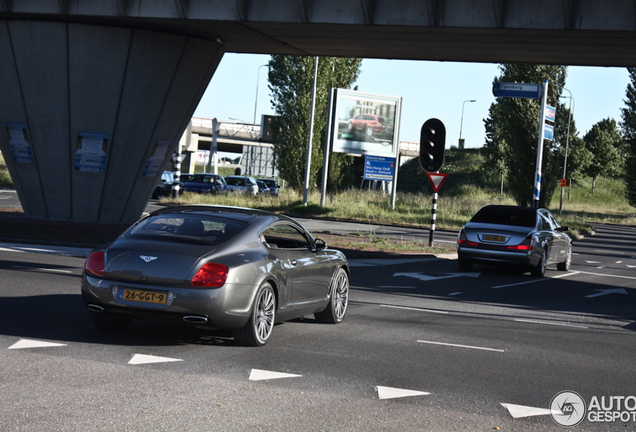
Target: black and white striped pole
<point x="431" y="235"/>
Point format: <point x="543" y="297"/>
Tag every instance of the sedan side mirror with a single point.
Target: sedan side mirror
<point x="320" y="244"/>
<point x="563" y="229"/>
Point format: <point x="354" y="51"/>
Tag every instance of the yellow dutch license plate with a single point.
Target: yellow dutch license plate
<point x="143" y="296"/>
<point x="494" y="238"/>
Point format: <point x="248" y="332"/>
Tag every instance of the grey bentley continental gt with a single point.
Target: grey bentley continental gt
<point x="216" y="267"/>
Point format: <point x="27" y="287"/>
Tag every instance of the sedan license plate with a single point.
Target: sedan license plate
<point x="143" y="296"/>
<point x="494" y="238"/>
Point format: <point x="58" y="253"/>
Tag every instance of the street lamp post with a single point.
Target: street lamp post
<point x="461" y="125"/>
<point x="567" y="144"/>
<point x="256" y="98"/>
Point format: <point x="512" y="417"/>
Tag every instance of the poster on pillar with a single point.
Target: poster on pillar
<point x="157" y="158"/>
<point x="90" y="155"/>
<point x="19" y="142"/>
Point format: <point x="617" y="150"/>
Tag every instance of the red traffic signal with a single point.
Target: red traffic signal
<point x="432" y="142"/>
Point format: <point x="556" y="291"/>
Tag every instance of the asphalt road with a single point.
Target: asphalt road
<point x="463" y="351"/>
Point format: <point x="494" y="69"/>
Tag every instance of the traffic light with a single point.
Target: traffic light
<point x="432" y="142"/>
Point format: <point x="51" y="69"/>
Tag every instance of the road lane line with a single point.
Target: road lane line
<point x="539" y="280"/>
<point x="462" y="346"/>
<point x="415" y="309"/>
<point x="549" y="323"/>
<point x="397" y="287"/>
<point x="42" y="269"/>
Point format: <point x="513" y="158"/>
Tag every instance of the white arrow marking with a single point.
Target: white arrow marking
<point x="145" y="359"/>
<point x="424" y="277"/>
<point x="607" y="291"/>
<point x="520" y="411"/>
<point x="392" y="393"/>
<point x="260" y="375"/>
<point x="27" y="343"/>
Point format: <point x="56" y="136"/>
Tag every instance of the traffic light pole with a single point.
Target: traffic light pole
<point x="537" y="176"/>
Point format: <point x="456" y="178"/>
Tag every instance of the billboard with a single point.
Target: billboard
<point x="365" y="123"/>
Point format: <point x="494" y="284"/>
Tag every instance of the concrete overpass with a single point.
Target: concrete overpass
<point x="94" y="94"/>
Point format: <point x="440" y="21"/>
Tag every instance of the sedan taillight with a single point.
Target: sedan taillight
<point x="95" y="263"/>
<point x="210" y="275"/>
<point x="463" y="240"/>
<point x="526" y="245"/>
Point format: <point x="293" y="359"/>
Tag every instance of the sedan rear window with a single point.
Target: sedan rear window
<point x="517" y="216"/>
<point x="184" y="227"/>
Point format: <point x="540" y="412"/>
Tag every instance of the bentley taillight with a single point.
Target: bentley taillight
<point x="210" y="275"/>
<point x="95" y="263"/>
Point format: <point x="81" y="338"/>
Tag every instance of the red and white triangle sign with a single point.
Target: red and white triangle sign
<point x="436" y="179"/>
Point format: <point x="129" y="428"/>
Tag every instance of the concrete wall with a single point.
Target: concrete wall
<point x="62" y="80"/>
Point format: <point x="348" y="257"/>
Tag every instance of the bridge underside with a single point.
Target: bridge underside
<point x="95" y="95"/>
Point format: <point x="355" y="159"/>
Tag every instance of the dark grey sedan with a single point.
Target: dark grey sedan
<point x="522" y="236"/>
<point x="216" y="267"/>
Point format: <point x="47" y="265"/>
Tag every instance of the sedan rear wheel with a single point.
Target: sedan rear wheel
<point x="565" y="265"/>
<point x="335" y="311"/>
<point x="539" y="269"/>
<point x="259" y="327"/>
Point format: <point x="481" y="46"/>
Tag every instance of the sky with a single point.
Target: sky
<point x="429" y="89"/>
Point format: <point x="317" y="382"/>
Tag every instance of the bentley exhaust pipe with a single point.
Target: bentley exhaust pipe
<point x="195" y="319"/>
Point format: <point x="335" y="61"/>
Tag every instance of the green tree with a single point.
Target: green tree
<point x="512" y="134"/>
<point x="291" y="83"/>
<point x="605" y="142"/>
<point x="628" y="125"/>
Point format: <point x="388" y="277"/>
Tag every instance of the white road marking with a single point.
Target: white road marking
<point x="521" y="411"/>
<point x="462" y="346"/>
<point x="260" y="375"/>
<point x="145" y="359"/>
<point x="28" y="343"/>
<point x="392" y="393"/>
<point x="609" y="251"/>
<point x="374" y="262"/>
<point x="10" y="250"/>
<point x="42" y="269"/>
<point x="619" y="262"/>
<point x="568" y="274"/>
<point x="549" y="323"/>
<point x="455" y="293"/>
<point x="415" y="309"/>
<point x="424" y="277"/>
<point x="607" y="291"/>
<point x="592" y="262"/>
<point x="608" y="275"/>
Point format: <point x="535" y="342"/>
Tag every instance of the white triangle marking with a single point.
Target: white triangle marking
<point x="260" y="375"/>
<point x="27" y="343"/>
<point x="145" y="359"/>
<point x="521" y="411"/>
<point x="391" y="392"/>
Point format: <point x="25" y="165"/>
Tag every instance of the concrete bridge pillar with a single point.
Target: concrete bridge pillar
<point x="90" y="113"/>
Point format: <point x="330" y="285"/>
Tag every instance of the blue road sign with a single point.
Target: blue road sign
<point x="548" y="132"/>
<point x="379" y="168"/>
<point x="516" y="90"/>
